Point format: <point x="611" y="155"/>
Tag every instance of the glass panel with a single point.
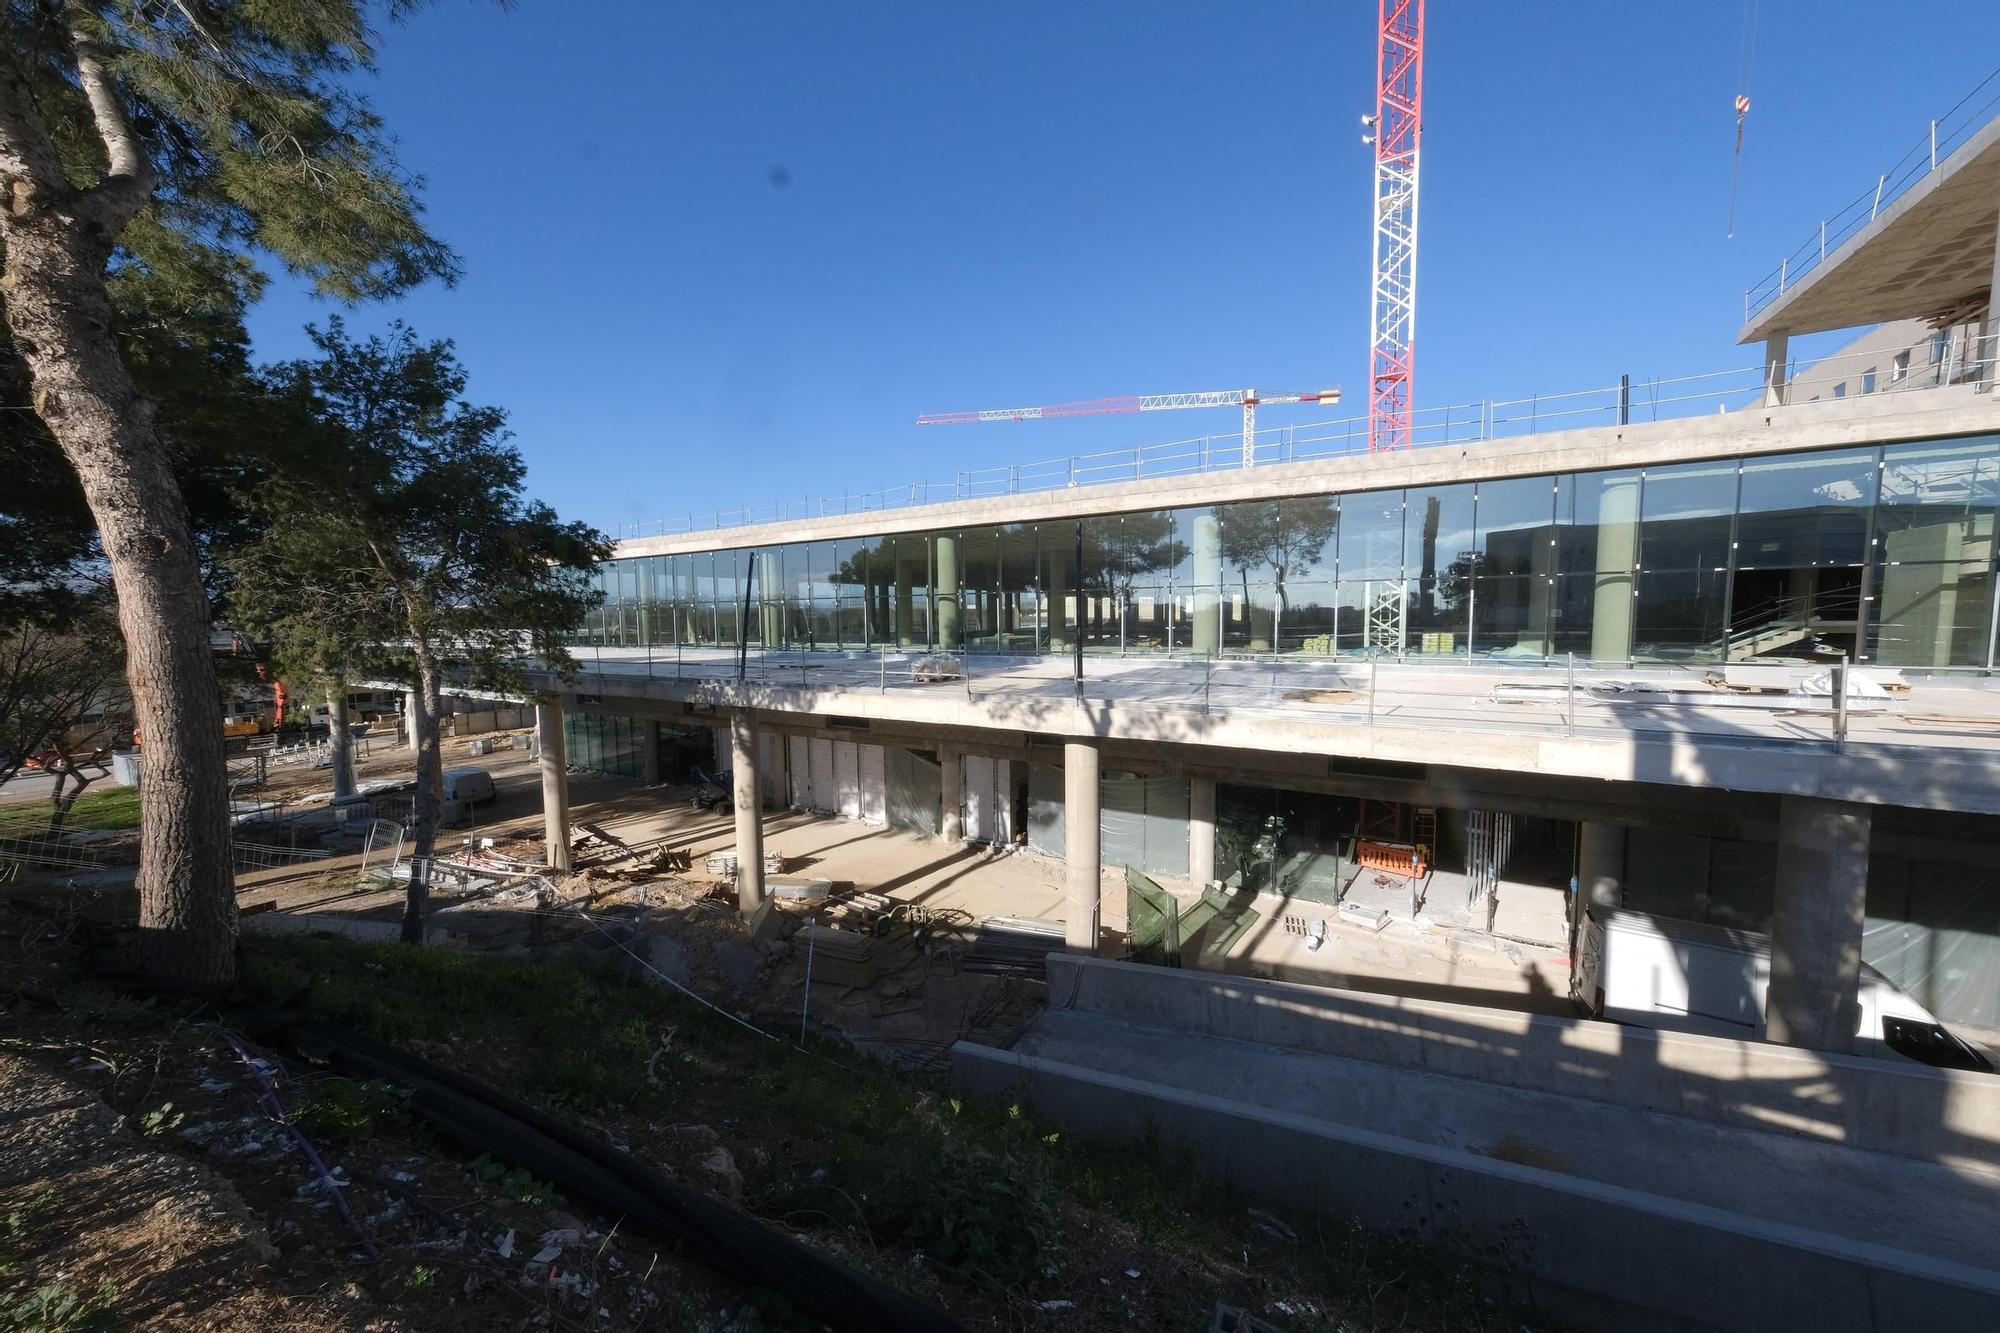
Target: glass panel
<point x="1511" y="615"/>
<point x="1933" y="615"/>
<point x="1020" y="609"/>
<point x="1685" y="511"/>
<point x="1438" y="560"/>
<point x="1371" y="535"/>
<point x="1516" y="533"/>
<point x="1804" y="510"/>
<point x="1938" y="500"/>
<point x="1679" y="614"/>
<point x="1307" y="617"/>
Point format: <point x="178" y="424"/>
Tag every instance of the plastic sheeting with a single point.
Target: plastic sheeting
<point x="1144" y="823"/>
<point x="989" y="799"/>
<point x="1937" y="937"/>
<point x="1045" y="809"/>
<point x="914" y="784"/>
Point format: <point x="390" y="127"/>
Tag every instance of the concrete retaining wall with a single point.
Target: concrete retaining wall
<point x="1623" y="1259"/>
<point x="352" y="927"/>
<point x="1895" y="1107"/>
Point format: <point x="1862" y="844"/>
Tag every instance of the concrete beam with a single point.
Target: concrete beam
<point x="555" y="784"/>
<point x="749" y="811"/>
<point x="1855" y="420"/>
<point x="1082" y="848"/>
<point x="1817" y="919"/>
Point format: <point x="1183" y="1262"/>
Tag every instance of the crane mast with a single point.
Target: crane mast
<point x="1397" y="127"/>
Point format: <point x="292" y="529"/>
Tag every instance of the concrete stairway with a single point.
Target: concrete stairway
<point x="1644" y="1179"/>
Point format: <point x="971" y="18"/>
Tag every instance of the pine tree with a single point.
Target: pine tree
<point x="159" y="141"/>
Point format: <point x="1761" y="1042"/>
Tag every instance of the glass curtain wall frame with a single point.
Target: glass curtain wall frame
<point x="1889" y="550"/>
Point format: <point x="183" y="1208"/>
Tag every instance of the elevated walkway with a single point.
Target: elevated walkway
<point x="1706" y="1183"/>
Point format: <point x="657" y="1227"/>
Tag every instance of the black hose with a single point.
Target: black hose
<point x="483" y="1119"/>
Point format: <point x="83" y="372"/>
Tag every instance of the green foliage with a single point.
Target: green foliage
<point x="160" y="1120"/>
<point x="106" y="807"/>
<point x="52" y="1307"/>
<point x="405" y="522"/>
<point x="419" y="1277"/>
<point x="990" y="1213"/>
<point x="55" y="1307"/>
<point x="249" y="116"/>
<point x="515" y="1182"/>
<point x="341" y="1110"/>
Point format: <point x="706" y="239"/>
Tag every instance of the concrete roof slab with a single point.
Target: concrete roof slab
<point x="1928" y="253"/>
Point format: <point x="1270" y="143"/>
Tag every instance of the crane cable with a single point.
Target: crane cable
<point x="1749" y="49"/>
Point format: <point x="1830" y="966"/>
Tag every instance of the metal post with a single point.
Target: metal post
<point x="1783" y="265"/>
<point x="1875" y="208"/>
<point x="1078" y="636"/>
<point x="1569" y="700"/>
<point x="1933" y="145"/>
<point x="1822" y="241"/>
<point x="1624" y="400"/>
<point x="1373" y="663"/>
<point x="882" y="683"/>
<point x="1840" y="704"/>
<point x="805" y="1005"/>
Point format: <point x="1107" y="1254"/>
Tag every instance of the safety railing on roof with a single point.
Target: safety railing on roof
<point x="1928" y="363"/>
<point x="1946" y="135"/>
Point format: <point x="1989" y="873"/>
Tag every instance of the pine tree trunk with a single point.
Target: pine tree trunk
<point x="339" y="741"/>
<point x="60" y="314"/>
<point x="430" y="779"/>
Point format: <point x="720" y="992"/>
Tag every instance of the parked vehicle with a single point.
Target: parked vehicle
<point x="467" y="786"/>
<point x="1686" y="976"/>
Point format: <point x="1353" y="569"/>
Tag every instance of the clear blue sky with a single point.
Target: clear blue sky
<point x="719" y="253"/>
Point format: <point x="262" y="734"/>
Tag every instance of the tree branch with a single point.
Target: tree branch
<point x="30" y="166"/>
<point x="128" y="185"/>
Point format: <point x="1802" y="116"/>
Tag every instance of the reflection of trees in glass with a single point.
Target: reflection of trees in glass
<point x="1282" y="536"/>
<point x="1117" y="552"/>
<point x="1454" y="585"/>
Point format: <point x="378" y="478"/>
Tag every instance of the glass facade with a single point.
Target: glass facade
<point x="1882" y="553"/>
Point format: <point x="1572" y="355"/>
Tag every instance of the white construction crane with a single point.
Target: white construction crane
<point x="1247" y="399"/>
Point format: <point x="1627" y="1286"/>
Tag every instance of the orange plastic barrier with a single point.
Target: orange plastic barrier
<point x="1394" y="858"/>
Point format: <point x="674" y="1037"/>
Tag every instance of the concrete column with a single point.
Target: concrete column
<point x="1987" y="354"/>
<point x="1816" y="923"/>
<point x="947" y="594"/>
<point x="1082" y="847"/>
<point x="409" y="719"/>
<point x="1617" y="552"/>
<point x="749" y="811"/>
<point x="1600" y="864"/>
<point x="1205" y="633"/>
<point x="951" y="804"/>
<point x="649" y="736"/>
<point x="555" y="784"/>
<point x="1776" y="348"/>
<point x="906" y="626"/>
<point x="1201" y="831"/>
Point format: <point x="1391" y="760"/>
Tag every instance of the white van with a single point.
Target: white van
<point x="1660" y="972"/>
<point x="467" y="786"/>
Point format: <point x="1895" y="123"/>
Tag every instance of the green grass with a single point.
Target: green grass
<point x="858" y="1152"/>
<point x="102" y="806"/>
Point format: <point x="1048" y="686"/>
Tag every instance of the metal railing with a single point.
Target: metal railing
<point x="1626" y="401"/>
<point x="1554" y="696"/>
<point x="1946" y="135"/>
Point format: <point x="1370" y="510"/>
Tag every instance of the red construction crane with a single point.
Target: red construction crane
<point x="1396" y="131"/>
<point x="1247" y="399"/>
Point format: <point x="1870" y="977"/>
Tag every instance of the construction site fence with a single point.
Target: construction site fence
<point x="1623" y="402"/>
